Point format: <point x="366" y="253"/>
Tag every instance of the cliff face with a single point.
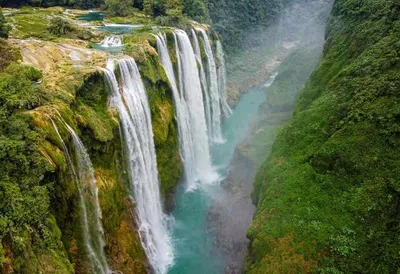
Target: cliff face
<point x="328" y="195"/>
<point x="71" y="88"/>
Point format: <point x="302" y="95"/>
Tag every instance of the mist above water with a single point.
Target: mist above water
<point x="296" y="36"/>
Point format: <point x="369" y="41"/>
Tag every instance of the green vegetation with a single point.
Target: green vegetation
<point x="84" y="4"/>
<point x="234" y="20"/>
<point x="46" y="24"/>
<point x="28" y="232"/>
<point x="60" y="27"/>
<point x="328" y="195"/>
<point x="40" y="220"/>
<point x="28" y="22"/>
<point x="4" y="28"/>
<point x="118" y="7"/>
<point x="8" y="55"/>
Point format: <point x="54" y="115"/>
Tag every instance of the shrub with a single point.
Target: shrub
<point x="8" y="54"/>
<point x="60" y="27"/>
<point x="4" y="28"/>
<point x="119" y="7"/>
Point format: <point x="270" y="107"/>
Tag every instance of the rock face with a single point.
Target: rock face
<point x="75" y="90"/>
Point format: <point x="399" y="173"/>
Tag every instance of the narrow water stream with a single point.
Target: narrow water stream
<point x="193" y="243"/>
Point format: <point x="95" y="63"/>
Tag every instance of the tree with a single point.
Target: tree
<point x="158" y="7"/>
<point x="174" y="10"/>
<point x="138" y="4"/>
<point x="119" y="7"/>
<point x="4" y="28"/>
<point x="60" y="27"/>
<point x="173" y="4"/>
<point x="196" y="9"/>
<point x="147" y="7"/>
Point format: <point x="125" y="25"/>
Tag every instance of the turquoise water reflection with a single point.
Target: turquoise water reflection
<point x="193" y="244"/>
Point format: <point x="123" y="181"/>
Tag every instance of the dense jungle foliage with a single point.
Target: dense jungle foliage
<point x="24" y="194"/>
<point x="328" y="196"/>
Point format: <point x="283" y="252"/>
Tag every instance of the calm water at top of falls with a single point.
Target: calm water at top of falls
<point x="114" y="29"/>
<point x="193" y="245"/>
<point x="109" y="28"/>
<point x="92" y="16"/>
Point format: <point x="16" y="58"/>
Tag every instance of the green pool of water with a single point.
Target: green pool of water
<point x="92" y="16"/>
<point x="108" y="49"/>
<point x="193" y="244"/>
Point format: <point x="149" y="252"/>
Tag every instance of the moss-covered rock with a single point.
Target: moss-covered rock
<point x="86" y="110"/>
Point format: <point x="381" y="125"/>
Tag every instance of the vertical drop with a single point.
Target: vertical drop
<point x="204" y="84"/>
<point x="223" y="92"/>
<point x="132" y="104"/>
<point x="93" y="233"/>
<point x="195" y="142"/>
<point x="216" y="133"/>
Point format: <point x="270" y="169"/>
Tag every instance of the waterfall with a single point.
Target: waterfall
<point x="93" y="234"/>
<point x="215" y="134"/>
<point x="132" y="104"/>
<point x="203" y="78"/>
<point x="194" y="142"/>
<point x="270" y="80"/>
<point x="112" y="41"/>
<point x="223" y="93"/>
<point x="182" y="112"/>
<point x="190" y="113"/>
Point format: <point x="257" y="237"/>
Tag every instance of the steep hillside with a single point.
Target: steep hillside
<point x="328" y="195"/>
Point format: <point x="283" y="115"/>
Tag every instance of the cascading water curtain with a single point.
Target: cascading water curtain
<point x="130" y="99"/>
<point x="222" y="86"/>
<point x="191" y="115"/>
<point x="204" y="83"/>
<point x="112" y="41"/>
<point x="93" y="234"/>
<point x="215" y="124"/>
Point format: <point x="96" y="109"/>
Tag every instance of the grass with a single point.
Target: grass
<point x="32" y="22"/>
